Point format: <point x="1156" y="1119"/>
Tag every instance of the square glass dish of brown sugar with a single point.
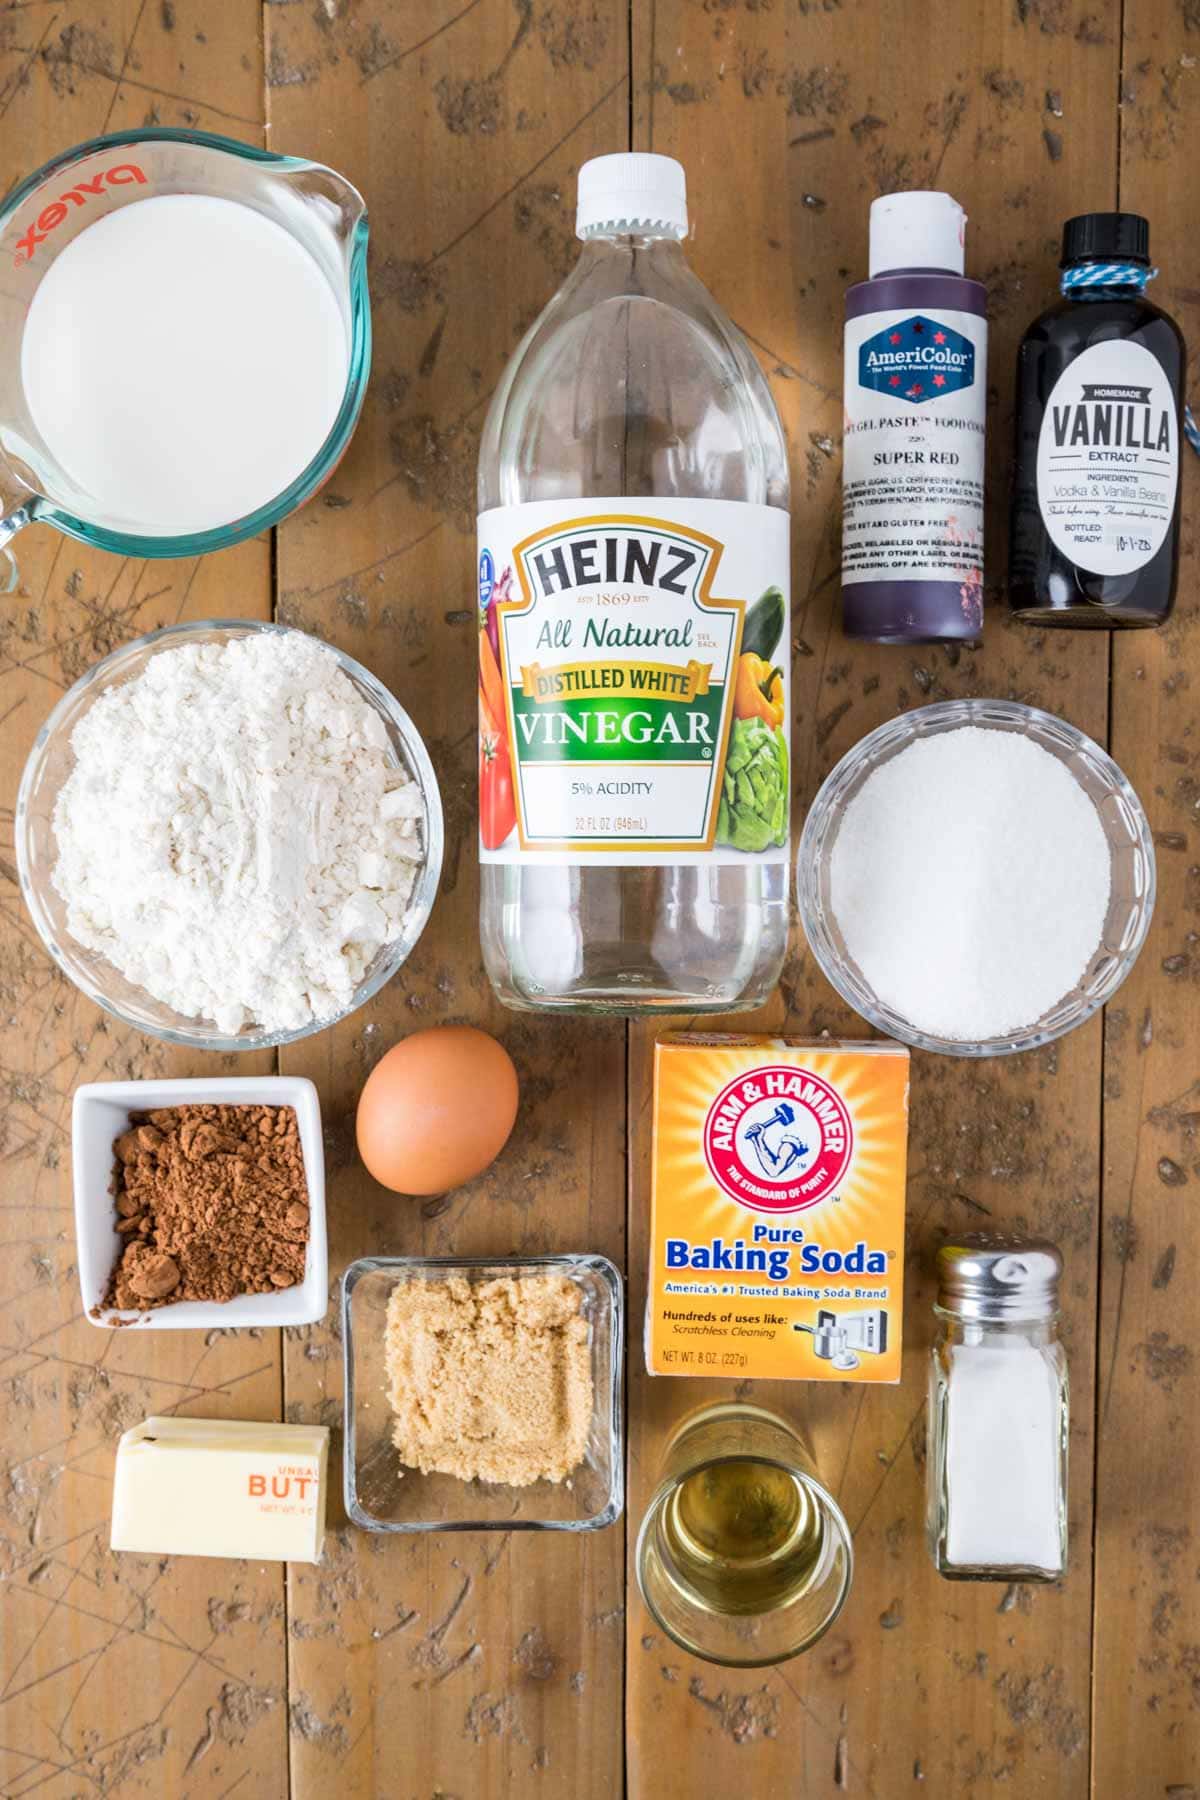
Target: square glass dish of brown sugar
<point x="200" y="1203"/>
<point x="483" y="1396"/>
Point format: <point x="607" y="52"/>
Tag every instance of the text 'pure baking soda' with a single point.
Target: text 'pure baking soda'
<point x="777" y="1226"/>
<point x="183" y="359"/>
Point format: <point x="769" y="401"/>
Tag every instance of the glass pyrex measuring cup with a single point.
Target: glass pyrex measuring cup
<point x="317" y="206"/>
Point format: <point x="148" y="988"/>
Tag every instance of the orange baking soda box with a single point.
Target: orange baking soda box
<point x="777" y="1224"/>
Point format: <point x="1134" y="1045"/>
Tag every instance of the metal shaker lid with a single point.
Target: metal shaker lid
<point x="993" y="1278"/>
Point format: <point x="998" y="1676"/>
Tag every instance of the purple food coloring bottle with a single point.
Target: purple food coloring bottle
<point x="915" y="399"/>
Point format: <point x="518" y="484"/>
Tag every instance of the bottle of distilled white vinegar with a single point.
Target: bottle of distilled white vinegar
<point x="634" y="644"/>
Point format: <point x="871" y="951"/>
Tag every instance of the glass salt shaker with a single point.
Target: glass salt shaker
<point x="998" y="1413"/>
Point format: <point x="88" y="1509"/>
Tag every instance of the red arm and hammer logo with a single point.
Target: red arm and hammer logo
<point x="778" y="1139"/>
<point x="120" y="175"/>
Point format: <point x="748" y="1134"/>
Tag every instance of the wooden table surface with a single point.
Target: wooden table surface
<point x="477" y="1666"/>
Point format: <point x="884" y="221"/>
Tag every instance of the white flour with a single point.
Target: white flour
<point x="233" y="837"/>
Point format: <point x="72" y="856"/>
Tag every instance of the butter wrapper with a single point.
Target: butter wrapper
<point x="221" y="1487"/>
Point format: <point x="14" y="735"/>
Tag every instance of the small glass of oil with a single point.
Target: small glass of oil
<point x="744" y="1557"/>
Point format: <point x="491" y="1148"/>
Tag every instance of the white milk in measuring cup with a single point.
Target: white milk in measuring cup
<point x="184" y="359"/>
<point x="184" y="340"/>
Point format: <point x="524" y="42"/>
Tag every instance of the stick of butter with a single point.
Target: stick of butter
<point x="221" y="1487"/>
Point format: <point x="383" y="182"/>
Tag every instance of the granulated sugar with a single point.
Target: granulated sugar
<point x="970" y="878"/>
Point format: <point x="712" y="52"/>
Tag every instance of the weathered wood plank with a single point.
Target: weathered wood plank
<point x="464" y="128"/>
<point x="789" y="121"/>
<point x="1147" y="1621"/>
<point x="117" y="1672"/>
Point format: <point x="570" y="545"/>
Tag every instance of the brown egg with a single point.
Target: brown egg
<point x="437" y="1109"/>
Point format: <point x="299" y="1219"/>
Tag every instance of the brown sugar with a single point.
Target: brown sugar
<point x="490" y="1380"/>
<point x="211" y="1203"/>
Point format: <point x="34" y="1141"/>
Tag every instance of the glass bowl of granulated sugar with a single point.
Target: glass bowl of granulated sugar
<point x="976" y="877"/>
<point x="229" y="834"/>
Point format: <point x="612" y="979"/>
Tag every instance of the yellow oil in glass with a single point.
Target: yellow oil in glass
<point x="743" y="1537"/>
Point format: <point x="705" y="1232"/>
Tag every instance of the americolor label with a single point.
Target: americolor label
<point x="777" y="1234"/>
<point x="1108" y="459"/>
<point x="917" y="360"/>
<point x="634" y="682"/>
<point x="915" y="399"/>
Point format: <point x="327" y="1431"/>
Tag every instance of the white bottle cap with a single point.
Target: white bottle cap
<point x="918" y="230"/>
<point x="631" y="192"/>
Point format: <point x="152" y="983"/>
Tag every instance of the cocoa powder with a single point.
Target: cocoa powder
<point x="211" y="1202"/>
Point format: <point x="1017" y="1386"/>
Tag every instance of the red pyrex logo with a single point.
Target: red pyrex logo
<point x="778" y="1139"/>
<point x="121" y="175"/>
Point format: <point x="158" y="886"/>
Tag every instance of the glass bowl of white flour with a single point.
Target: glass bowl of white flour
<point x="976" y="877"/>
<point x="229" y="834"/>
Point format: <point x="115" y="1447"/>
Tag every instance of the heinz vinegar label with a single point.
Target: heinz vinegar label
<point x="634" y="682"/>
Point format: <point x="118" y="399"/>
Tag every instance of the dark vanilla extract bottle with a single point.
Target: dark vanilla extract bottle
<point x="1094" y="535"/>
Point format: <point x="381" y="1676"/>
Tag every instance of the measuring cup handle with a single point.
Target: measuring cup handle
<point x="10" y="524"/>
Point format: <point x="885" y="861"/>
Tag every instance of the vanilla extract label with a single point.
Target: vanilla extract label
<point x="634" y="681"/>
<point x="1109" y="415"/>
<point x="1108" y="459"/>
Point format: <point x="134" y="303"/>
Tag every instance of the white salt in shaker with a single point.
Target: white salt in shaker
<point x="998" y="1413"/>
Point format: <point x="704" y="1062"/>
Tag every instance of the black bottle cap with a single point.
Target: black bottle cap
<point x="1106" y="237"/>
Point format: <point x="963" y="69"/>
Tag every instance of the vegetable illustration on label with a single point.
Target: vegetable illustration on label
<point x="631" y="705"/>
<point x="759" y="692"/>
<point x="764" y="625"/>
<point x="497" y="815"/>
<point x="754" y="796"/>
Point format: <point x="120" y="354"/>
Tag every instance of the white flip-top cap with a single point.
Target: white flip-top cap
<point x="631" y="192"/>
<point x="918" y="230"/>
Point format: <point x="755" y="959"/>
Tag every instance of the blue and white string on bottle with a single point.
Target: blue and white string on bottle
<point x="1134" y="275"/>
